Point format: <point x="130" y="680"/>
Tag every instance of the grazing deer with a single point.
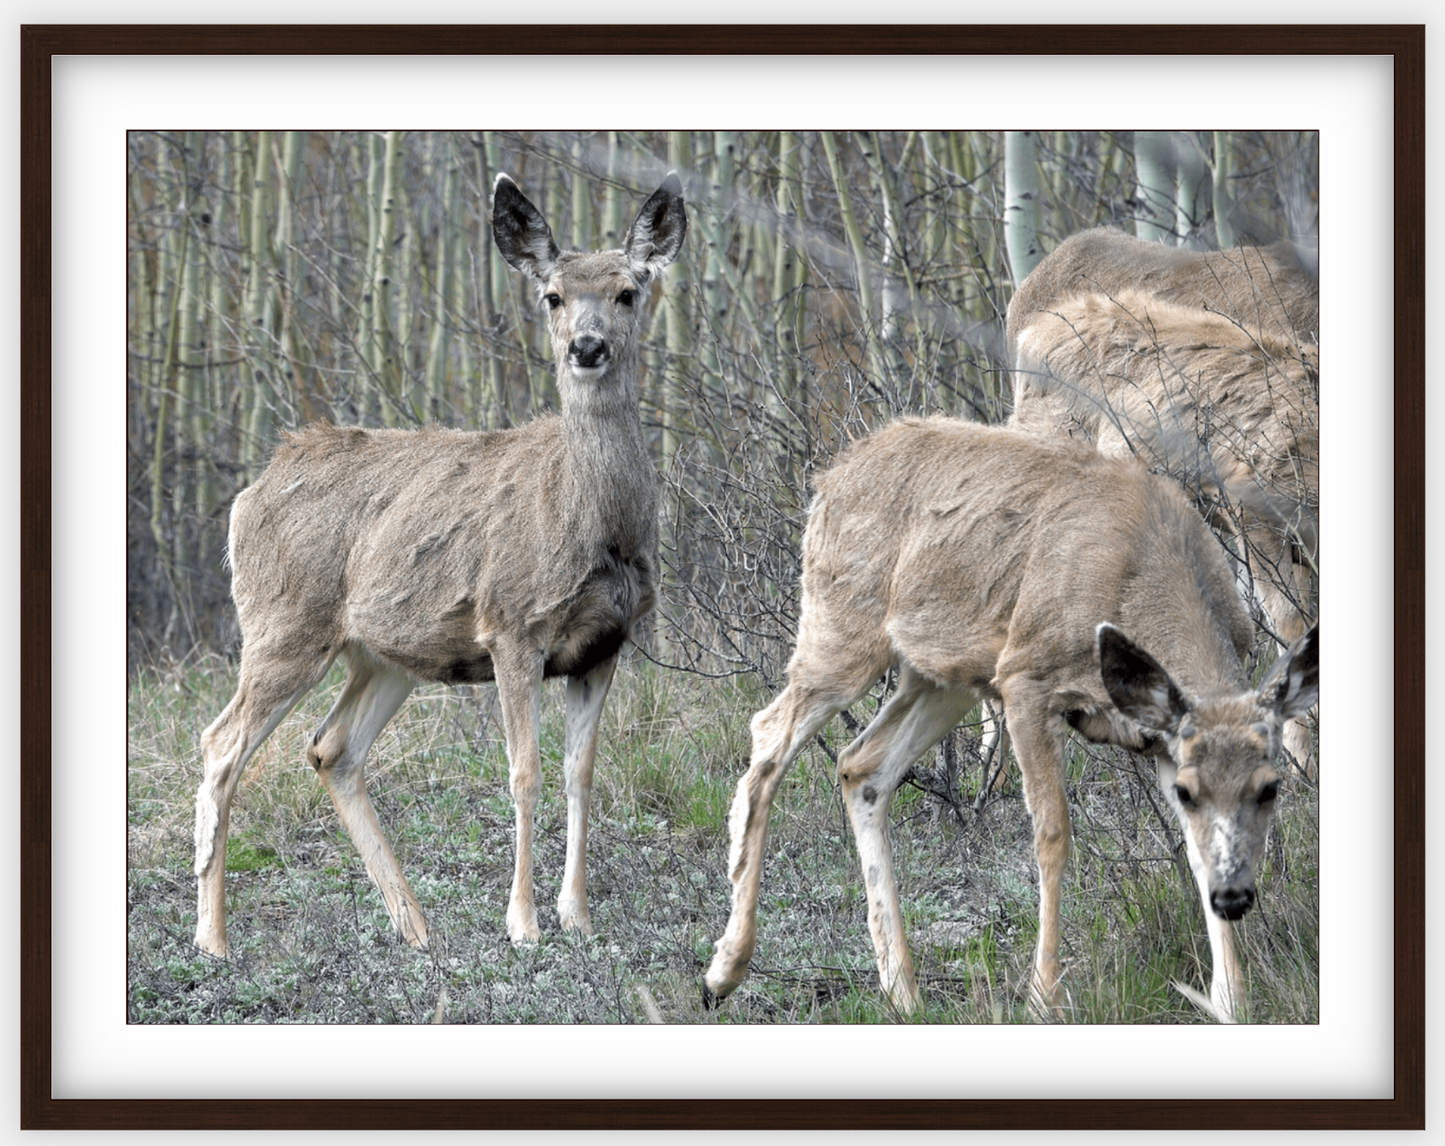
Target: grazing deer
<point x="1228" y="410"/>
<point x="455" y="556"/>
<point x="1076" y="589"/>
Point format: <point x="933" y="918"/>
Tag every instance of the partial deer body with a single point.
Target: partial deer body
<point x="1274" y="288"/>
<point x="1076" y="590"/>
<point x="1195" y="363"/>
<point x="455" y="556"/>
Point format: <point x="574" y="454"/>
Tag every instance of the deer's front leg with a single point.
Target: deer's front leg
<point x="519" y="688"/>
<point x="585" y="695"/>
<point x="1038" y="738"/>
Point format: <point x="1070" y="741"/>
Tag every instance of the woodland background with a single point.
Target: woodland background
<point x="830" y="281"/>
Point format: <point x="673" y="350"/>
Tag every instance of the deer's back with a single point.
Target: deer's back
<point x="418" y="543"/>
<point x="979" y="551"/>
<point x="1271" y="288"/>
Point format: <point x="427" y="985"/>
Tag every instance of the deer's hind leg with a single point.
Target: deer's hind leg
<point x="268" y="689"/>
<point x="820" y="683"/>
<point x="915" y="718"/>
<point x="585" y="696"/>
<point x="371" y="696"/>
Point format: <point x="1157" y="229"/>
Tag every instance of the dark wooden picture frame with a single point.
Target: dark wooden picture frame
<point x="39" y="1110"/>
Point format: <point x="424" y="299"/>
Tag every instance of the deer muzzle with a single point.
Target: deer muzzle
<point x="1231" y="902"/>
<point x="588" y="352"/>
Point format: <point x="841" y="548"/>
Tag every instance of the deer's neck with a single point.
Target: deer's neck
<point x="608" y="481"/>
<point x="1192" y="638"/>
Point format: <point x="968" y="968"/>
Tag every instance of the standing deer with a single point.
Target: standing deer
<point x="1077" y="590"/>
<point x="1229" y="410"/>
<point x="444" y="555"/>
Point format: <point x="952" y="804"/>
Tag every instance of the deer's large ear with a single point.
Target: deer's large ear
<point x="520" y="232"/>
<point x="657" y="232"/>
<point x="1292" y="685"/>
<point x="1138" y="684"/>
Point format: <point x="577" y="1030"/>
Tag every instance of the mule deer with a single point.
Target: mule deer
<point x="1079" y="591"/>
<point x="454" y="556"/>
<point x="1230" y="411"/>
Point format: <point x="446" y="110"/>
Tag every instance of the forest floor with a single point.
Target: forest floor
<point x="311" y="941"/>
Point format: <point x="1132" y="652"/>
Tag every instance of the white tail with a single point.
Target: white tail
<point x="1194" y="362"/>
<point x="986" y="562"/>
<point x="453" y="556"/>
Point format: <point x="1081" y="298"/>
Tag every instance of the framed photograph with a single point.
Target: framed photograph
<point x="449" y="107"/>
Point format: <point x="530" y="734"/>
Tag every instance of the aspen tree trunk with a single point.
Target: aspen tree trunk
<point x="217" y="317"/>
<point x="898" y="295"/>
<point x="293" y="147"/>
<point x="862" y="267"/>
<point x="256" y="308"/>
<point x="170" y="269"/>
<point x="678" y="309"/>
<point x="1114" y="161"/>
<point x="228" y="330"/>
<point x="961" y="227"/>
<point x="1021" y="203"/>
<point x="370" y="158"/>
<point x="514" y="387"/>
<point x="612" y="221"/>
<point x="142" y="320"/>
<point x="787" y="266"/>
<point x="1154" y="166"/>
<point x="190" y="357"/>
<point x="407" y="363"/>
<point x="438" y="344"/>
<point x="933" y="234"/>
<point x="1223" y="205"/>
<point x="583" y="235"/>
<point x="493" y="377"/>
<point x="719" y="239"/>
<point x="1191" y="181"/>
<point x="382" y="356"/>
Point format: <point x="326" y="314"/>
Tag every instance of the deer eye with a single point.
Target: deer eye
<point x="1182" y="794"/>
<point x="1269" y="792"/>
<point x="627" y="297"/>
<point x="553" y="300"/>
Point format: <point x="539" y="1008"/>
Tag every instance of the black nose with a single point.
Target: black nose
<point x="587" y="350"/>
<point x="1231" y="903"/>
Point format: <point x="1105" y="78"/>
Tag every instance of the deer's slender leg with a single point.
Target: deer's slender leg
<point x="871" y="768"/>
<point x="266" y="692"/>
<point x="519" y="688"/>
<point x="1039" y="745"/>
<point x="338" y="749"/>
<point x="779" y="733"/>
<point x="585" y="695"/>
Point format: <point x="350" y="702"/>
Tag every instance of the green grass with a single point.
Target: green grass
<point x="312" y="942"/>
